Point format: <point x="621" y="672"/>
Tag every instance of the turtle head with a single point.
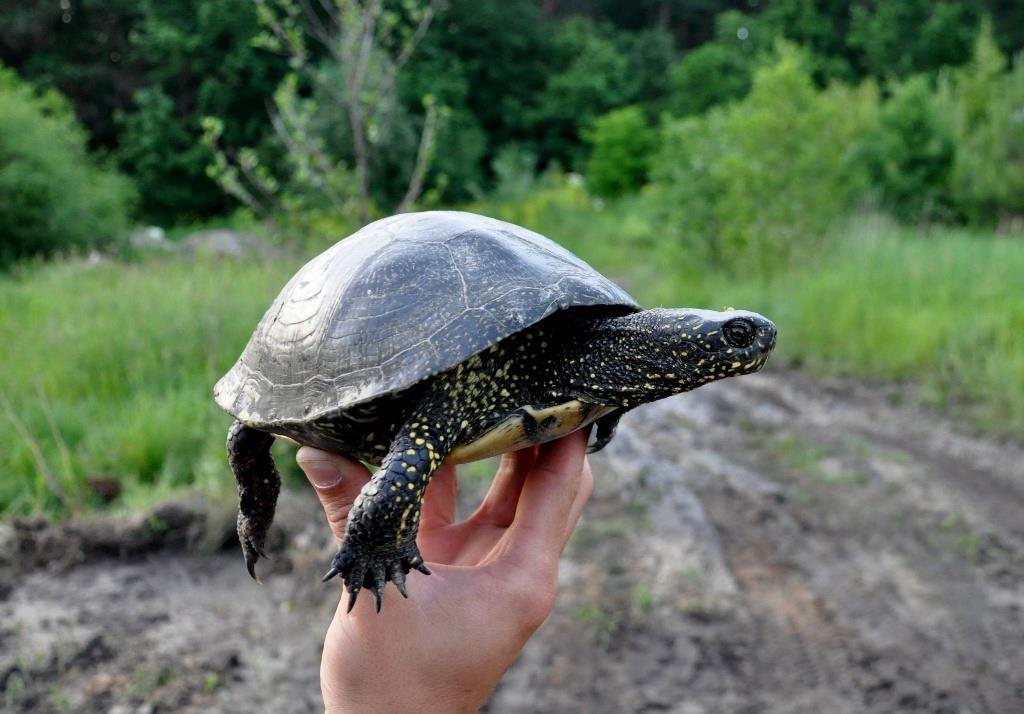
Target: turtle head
<point x="648" y="355"/>
<point x="701" y="346"/>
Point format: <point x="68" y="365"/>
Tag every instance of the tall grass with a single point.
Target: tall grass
<point x="942" y="308"/>
<point x="106" y="370"/>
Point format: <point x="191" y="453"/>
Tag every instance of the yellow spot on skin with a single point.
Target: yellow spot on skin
<point x="410" y="452"/>
<point x="735" y="364"/>
<point x="410" y="486"/>
<point x="420" y="442"/>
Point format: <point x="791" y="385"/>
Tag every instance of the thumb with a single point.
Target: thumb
<point x="337" y="481"/>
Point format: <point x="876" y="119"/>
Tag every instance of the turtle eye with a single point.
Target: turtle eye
<point x="739" y="332"/>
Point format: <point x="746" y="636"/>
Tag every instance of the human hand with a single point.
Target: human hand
<point x="494" y="579"/>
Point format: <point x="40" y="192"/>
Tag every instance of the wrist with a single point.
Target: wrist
<point x="402" y="697"/>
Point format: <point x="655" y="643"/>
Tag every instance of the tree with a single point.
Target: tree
<point x="589" y="76"/>
<point x="721" y="70"/>
<point x="83" y="49"/>
<point x="909" y="154"/>
<point x="750" y="183"/>
<point x="366" y="45"/>
<point x="897" y="38"/>
<point x="54" y="196"/>
<point x="985" y="102"/>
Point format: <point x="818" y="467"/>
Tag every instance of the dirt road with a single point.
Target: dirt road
<point x="769" y="544"/>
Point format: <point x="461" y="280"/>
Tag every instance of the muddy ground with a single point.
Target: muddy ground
<point x="769" y="544"/>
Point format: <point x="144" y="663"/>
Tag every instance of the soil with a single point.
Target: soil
<point x="775" y="543"/>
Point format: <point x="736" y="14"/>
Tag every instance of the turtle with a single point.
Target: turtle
<point x="447" y="337"/>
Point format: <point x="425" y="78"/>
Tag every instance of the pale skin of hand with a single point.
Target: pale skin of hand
<point x="493" y="583"/>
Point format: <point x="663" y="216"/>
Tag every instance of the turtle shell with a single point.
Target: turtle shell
<point x="403" y="299"/>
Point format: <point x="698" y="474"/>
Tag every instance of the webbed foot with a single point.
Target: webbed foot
<point x="362" y="567"/>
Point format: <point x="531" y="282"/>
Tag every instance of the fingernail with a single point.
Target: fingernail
<point x="322" y="473"/>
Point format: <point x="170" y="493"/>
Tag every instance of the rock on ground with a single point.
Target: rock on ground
<point x="768" y="544"/>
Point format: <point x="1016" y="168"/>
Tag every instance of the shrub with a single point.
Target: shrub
<point x="750" y="183"/>
<point x="53" y="195"/>
<point x="909" y="154"/>
<point x="986" y="104"/>
<point x="623" y="145"/>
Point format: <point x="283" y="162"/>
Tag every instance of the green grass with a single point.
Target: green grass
<point x="943" y="309"/>
<point x="107" y="369"/>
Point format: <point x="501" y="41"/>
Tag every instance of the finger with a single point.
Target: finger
<point x="440" y="499"/>
<point x="336" y="480"/>
<point x="499" y="505"/>
<point x="545" y="513"/>
<point x="582" y="496"/>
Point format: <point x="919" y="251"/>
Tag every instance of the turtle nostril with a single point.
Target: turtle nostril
<point x="739" y="332"/>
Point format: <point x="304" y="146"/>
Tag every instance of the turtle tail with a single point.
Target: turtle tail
<point x="258" y="486"/>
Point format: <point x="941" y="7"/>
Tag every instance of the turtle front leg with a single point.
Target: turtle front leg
<point x="380" y="537"/>
<point x="258" y="486"/>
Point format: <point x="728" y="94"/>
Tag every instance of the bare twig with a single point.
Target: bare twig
<point x="62" y="446"/>
<point x="300" y="145"/>
<point x="388" y="82"/>
<point x="419" y="170"/>
<point x="369" y="55"/>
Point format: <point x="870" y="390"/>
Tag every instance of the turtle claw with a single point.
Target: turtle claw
<point x="352" y="595"/>
<point x="398" y="578"/>
<point x="252" y="553"/>
<point x="379" y="581"/>
<point x="372" y="569"/>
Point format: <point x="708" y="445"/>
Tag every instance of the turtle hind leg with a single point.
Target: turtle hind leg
<point x="606" y="427"/>
<point x="380" y="537"/>
<point x="258" y="486"/>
